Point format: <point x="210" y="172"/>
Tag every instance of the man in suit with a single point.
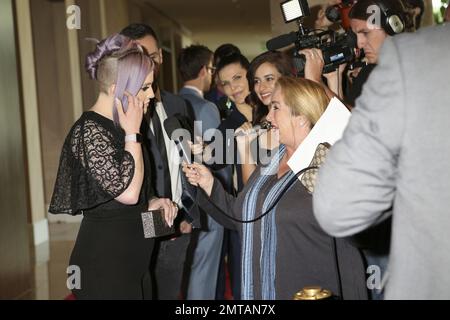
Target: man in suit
<point x="394" y="155"/>
<point x="196" y="68"/>
<point x="169" y="253"/>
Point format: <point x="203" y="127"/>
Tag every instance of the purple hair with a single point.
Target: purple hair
<point x="133" y="66"/>
<point x="104" y="48"/>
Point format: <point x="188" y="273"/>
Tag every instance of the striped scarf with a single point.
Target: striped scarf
<point x="268" y="231"/>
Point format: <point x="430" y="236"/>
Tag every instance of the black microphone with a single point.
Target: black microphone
<point x="172" y="125"/>
<point x="281" y="41"/>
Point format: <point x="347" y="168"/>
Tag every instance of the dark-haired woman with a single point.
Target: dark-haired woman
<point x="263" y="73"/>
<point x="103" y="175"/>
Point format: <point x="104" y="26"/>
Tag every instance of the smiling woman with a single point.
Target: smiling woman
<point x="286" y="250"/>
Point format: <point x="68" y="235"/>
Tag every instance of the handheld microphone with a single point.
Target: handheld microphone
<point x="171" y="125"/>
<point x="259" y="128"/>
<point x="281" y="41"/>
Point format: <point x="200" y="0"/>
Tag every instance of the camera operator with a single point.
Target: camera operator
<point x="371" y="37"/>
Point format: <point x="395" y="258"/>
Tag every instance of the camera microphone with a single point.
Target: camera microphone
<point x="281" y="41"/>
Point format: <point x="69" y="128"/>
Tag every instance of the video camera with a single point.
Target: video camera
<point x="336" y="48"/>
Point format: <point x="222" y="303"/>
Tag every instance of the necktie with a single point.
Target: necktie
<point x="159" y="137"/>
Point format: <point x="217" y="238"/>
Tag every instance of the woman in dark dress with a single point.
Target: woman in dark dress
<point x="286" y="250"/>
<point x="103" y="175"/>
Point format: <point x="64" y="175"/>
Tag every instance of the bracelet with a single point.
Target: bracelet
<point x="135" y="137"/>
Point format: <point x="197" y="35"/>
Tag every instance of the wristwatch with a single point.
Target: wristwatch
<point x="135" y="137"/>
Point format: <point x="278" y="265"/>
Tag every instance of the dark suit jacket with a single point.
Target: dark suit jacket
<point x="160" y="173"/>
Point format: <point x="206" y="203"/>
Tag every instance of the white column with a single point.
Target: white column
<point x="32" y="130"/>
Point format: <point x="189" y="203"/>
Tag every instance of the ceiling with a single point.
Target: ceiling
<point x="245" y="23"/>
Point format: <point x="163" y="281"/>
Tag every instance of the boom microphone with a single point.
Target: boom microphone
<point x="281" y="41"/>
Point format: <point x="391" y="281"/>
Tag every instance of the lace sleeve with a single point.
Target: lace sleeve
<point x="94" y="169"/>
<point x="104" y="158"/>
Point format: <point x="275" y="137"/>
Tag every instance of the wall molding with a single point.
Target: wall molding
<point x="64" y="218"/>
<point x="40" y="232"/>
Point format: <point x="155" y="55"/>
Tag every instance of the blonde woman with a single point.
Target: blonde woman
<point x="286" y="250"/>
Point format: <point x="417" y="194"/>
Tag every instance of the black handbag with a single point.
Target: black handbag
<point x="155" y="225"/>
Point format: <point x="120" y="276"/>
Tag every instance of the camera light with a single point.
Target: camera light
<point x="294" y="9"/>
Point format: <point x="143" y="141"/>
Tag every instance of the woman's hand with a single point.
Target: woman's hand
<point x="198" y="147"/>
<point x="170" y="209"/>
<point x="132" y="119"/>
<point x="200" y="176"/>
<point x="245" y="134"/>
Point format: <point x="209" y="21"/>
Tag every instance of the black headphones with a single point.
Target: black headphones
<point x="392" y="22"/>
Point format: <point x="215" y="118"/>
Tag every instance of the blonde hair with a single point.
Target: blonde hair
<point x="304" y="97"/>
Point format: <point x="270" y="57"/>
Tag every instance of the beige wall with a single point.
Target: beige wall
<point x="116" y="14"/>
<point x="31" y="115"/>
<point x="92" y="28"/>
<point x="15" y="280"/>
<point x="53" y="76"/>
<point x="278" y="25"/>
<point x="172" y="37"/>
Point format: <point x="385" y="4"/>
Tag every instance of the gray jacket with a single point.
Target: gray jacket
<point x="206" y="113"/>
<point x="395" y="154"/>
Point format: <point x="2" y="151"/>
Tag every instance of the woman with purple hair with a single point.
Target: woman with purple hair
<point x="104" y="175"/>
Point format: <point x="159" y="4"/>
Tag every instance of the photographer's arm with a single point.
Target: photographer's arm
<point x="314" y="68"/>
<point x="334" y="81"/>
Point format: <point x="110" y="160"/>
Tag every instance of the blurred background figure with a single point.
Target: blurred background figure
<point x="216" y="93"/>
<point x="415" y="10"/>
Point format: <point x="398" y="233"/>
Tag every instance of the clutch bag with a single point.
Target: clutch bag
<point x="155" y="225"/>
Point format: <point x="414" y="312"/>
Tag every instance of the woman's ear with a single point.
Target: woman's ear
<point x="303" y="121"/>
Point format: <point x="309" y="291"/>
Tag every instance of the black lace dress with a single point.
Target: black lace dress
<point x="111" y="252"/>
